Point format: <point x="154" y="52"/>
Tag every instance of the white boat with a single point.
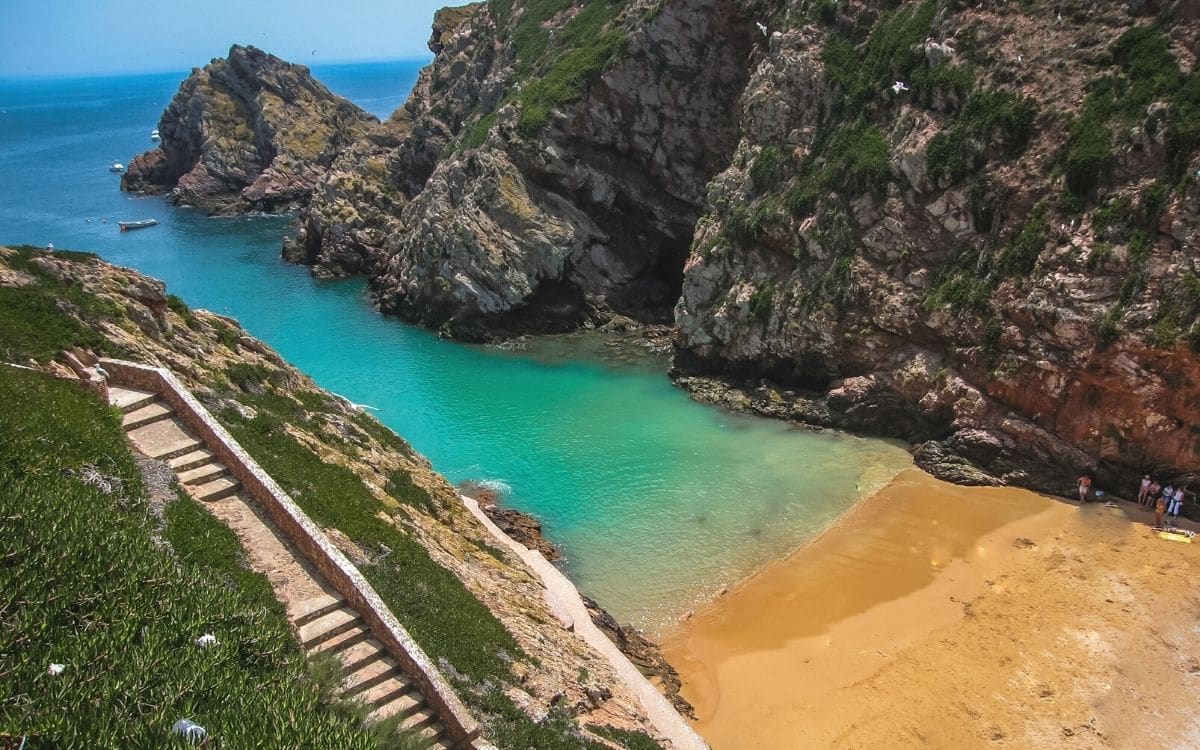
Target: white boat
<point x="140" y="224"/>
<point x="117" y="167"/>
<point x="154" y="136"/>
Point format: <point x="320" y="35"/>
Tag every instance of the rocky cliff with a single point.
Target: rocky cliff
<point x="971" y="226"/>
<point x="249" y="132"/>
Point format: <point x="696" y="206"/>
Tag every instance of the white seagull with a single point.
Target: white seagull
<point x="899" y="87"/>
<point x="761" y="27"/>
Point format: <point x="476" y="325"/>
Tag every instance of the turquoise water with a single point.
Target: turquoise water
<point x="657" y="501"/>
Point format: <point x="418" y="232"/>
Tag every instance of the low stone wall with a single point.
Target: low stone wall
<point x="309" y="539"/>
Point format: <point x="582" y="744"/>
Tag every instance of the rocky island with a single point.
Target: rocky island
<point x="248" y="132"/>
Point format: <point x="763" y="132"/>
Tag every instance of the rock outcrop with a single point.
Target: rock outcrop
<point x="553" y="168"/>
<point x="249" y="132"/>
<point x="973" y="227"/>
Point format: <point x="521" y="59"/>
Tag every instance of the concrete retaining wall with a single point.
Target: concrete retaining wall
<point x="309" y="539"/>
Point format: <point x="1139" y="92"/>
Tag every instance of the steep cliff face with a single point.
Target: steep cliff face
<point x="972" y="227"/>
<point x="554" y="169"/>
<point x="247" y="132"/>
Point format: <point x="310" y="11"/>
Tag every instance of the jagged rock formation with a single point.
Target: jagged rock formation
<point x="971" y="227"/>
<point x="247" y="132"/>
<point x="534" y="193"/>
<point x="992" y="263"/>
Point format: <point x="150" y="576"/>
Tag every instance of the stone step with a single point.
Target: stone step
<point x="129" y="399"/>
<point x="357" y="654"/>
<point x="163" y="440"/>
<point x="371" y="674"/>
<point x="217" y="489"/>
<point x="148" y="414"/>
<point x="318" y="606"/>
<point x="327" y="626"/>
<point x="203" y="473"/>
<point x="341" y="641"/>
<point x="442" y="743"/>
<point x="425" y="724"/>
<point x="403" y="704"/>
<point x="193" y="460"/>
<point x="383" y="692"/>
<point x="168" y="451"/>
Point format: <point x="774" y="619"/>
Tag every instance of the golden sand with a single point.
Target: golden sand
<point x="941" y="616"/>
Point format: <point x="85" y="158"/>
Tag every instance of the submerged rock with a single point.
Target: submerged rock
<point x="249" y="132"/>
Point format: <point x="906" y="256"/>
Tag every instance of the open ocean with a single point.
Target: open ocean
<point x="656" y="500"/>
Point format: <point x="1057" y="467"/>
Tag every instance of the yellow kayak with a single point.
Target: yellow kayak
<point x="1174" y="537"/>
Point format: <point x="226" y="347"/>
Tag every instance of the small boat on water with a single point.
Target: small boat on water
<point x="141" y="224"/>
<point x="154" y="136"/>
<point x="117" y="167"/>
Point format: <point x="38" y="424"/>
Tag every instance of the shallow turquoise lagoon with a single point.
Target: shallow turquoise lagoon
<point x="657" y="501"/>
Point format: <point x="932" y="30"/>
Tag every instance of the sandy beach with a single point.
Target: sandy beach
<point x="941" y="616"/>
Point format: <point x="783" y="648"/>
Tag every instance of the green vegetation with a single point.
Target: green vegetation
<point x="85" y="584"/>
<point x="1020" y="255"/>
<point x="960" y="287"/>
<point x="766" y="169"/>
<point x="855" y="159"/>
<point x="401" y="487"/>
<point x="477" y="133"/>
<point x="248" y="377"/>
<point x="890" y="53"/>
<point x="625" y="738"/>
<point x="41" y="319"/>
<point x="988" y="115"/>
<point x="1178" y="313"/>
<point x="228" y="337"/>
<point x="761" y="303"/>
<point x="555" y="69"/>
<point x="180" y="308"/>
<point x="1148" y="72"/>
<point x="992" y="333"/>
<point x="984" y="202"/>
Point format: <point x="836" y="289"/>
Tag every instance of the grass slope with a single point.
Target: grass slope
<point x="85" y="582"/>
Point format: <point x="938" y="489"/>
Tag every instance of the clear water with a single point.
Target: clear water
<point x="657" y="501"/>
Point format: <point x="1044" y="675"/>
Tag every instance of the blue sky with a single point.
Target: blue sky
<point x="79" y="37"/>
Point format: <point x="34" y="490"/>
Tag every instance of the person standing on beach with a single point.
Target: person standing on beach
<point x="1160" y="507"/>
<point x="1085" y="486"/>
<point x="1154" y="488"/>
<point x="1144" y="490"/>
<point x="1176" y="505"/>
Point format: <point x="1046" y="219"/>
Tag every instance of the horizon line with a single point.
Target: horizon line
<point x="164" y="71"/>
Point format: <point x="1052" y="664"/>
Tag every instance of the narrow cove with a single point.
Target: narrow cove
<point x="657" y="501"/>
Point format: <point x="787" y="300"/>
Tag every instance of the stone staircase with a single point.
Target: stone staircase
<point x="324" y="622"/>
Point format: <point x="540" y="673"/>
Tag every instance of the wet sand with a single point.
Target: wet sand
<point x="941" y="616"/>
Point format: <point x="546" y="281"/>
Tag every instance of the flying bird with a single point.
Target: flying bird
<point x="761" y="27"/>
<point x="899" y="87"/>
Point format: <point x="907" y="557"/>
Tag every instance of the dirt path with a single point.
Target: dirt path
<point x="939" y="616"/>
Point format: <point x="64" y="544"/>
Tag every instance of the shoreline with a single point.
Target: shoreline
<point x="925" y="616"/>
<point x="568" y="606"/>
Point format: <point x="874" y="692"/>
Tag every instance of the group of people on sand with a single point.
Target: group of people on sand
<point x="1167" y="501"/>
